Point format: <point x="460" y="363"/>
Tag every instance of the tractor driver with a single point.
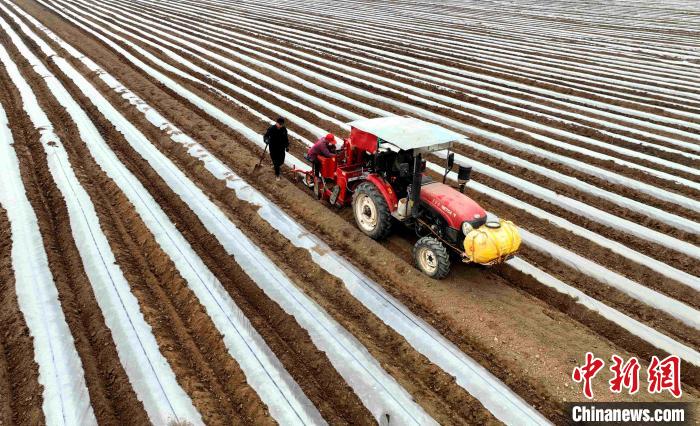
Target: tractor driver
<point x="324" y="147"/>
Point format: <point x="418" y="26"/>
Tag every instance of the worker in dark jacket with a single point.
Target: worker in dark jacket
<point x="323" y="147"/>
<point x="278" y="142"/>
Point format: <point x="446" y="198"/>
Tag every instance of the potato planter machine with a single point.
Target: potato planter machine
<point x="380" y="171"/>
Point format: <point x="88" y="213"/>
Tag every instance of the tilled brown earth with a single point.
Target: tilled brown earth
<point x="432" y="387"/>
<point x="637" y="271"/>
<point x="179" y="120"/>
<point x="600" y="182"/>
<point x="111" y="394"/>
<point x="459" y="93"/>
<point x="20" y="391"/>
<point x="186" y="335"/>
<point x="527" y="335"/>
<point x="358" y="38"/>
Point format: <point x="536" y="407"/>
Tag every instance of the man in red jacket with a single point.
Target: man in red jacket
<point x="322" y="147"/>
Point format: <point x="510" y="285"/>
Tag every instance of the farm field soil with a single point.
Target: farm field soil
<point x="524" y="333"/>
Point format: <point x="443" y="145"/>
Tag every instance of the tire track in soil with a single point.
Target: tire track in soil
<point x="20" y="391"/>
<point x="184" y="332"/>
<point x="403" y="242"/>
<point x="309" y="366"/>
<point x="452" y="405"/>
<point x="612" y="297"/>
<point x="233" y="154"/>
<point x="251" y="164"/>
<point x="111" y="394"/>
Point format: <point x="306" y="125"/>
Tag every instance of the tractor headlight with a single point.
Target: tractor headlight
<point x="466" y="228"/>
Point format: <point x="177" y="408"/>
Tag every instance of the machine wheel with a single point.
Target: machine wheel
<point x="431" y="257"/>
<point x="308" y="180"/>
<point x="371" y="211"/>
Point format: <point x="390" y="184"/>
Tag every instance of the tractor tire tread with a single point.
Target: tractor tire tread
<point x="384" y="215"/>
<point x="440" y="251"/>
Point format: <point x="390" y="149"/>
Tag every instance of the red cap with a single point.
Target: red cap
<point x="330" y="138"/>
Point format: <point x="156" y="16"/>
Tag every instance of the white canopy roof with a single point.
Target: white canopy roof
<point x="407" y="133"/>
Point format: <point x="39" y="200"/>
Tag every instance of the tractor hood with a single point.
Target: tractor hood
<point x="454" y="206"/>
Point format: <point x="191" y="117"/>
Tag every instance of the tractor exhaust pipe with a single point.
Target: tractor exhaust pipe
<point x="416" y="184"/>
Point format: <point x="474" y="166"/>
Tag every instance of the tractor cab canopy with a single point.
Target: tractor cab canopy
<point x="400" y="134"/>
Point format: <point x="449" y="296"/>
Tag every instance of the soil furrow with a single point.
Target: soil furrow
<point x="184" y="332"/>
<point x="224" y="143"/>
<point x="429" y="68"/>
<point x="560" y="188"/>
<point x="636" y="174"/>
<point x="309" y="366"/>
<point x="427" y="378"/>
<point x="20" y="391"/>
<point x="111" y="394"/>
<point x="187" y="29"/>
<point x="460" y="94"/>
<point x="674" y="289"/>
<point x="432" y="387"/>
<point x="487" y="309"/>
<point x="466" y="96"/>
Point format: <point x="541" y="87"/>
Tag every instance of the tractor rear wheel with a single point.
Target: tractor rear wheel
<point x="371" y="211"/>
<point x="431" y="257"/>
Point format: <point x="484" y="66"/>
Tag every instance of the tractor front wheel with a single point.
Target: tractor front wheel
<point x="431" y="257"/>
<point x="371" y="211"/>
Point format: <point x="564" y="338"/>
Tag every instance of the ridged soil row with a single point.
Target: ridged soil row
<point x="432" y="388"/>
<point x="402" y="244"/>
<point x="309" y="367"/>
<point x="531" y="176"/>
<point x="461" y="95"/>
<point x="20" y="391"/>
<point x="211" y="69"/>
<point x="344" y="25"/>
<point x="529" y="81"/>
<point x="652" y="101"/>
<point x="541" y="180"/>
<point x="111" y="395"/>
<point x="243" y="157"/>
<point x="641" y="99"/>
<point x="401" y="280"/>
<point x="184" y="332"/>
<point x="617" y="298"/>
<point x="676" y="259"/>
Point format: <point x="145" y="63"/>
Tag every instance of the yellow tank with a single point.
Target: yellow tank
<point x="491" y="244"/>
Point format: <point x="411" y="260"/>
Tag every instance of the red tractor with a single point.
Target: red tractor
<point x="380" y="171"/>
